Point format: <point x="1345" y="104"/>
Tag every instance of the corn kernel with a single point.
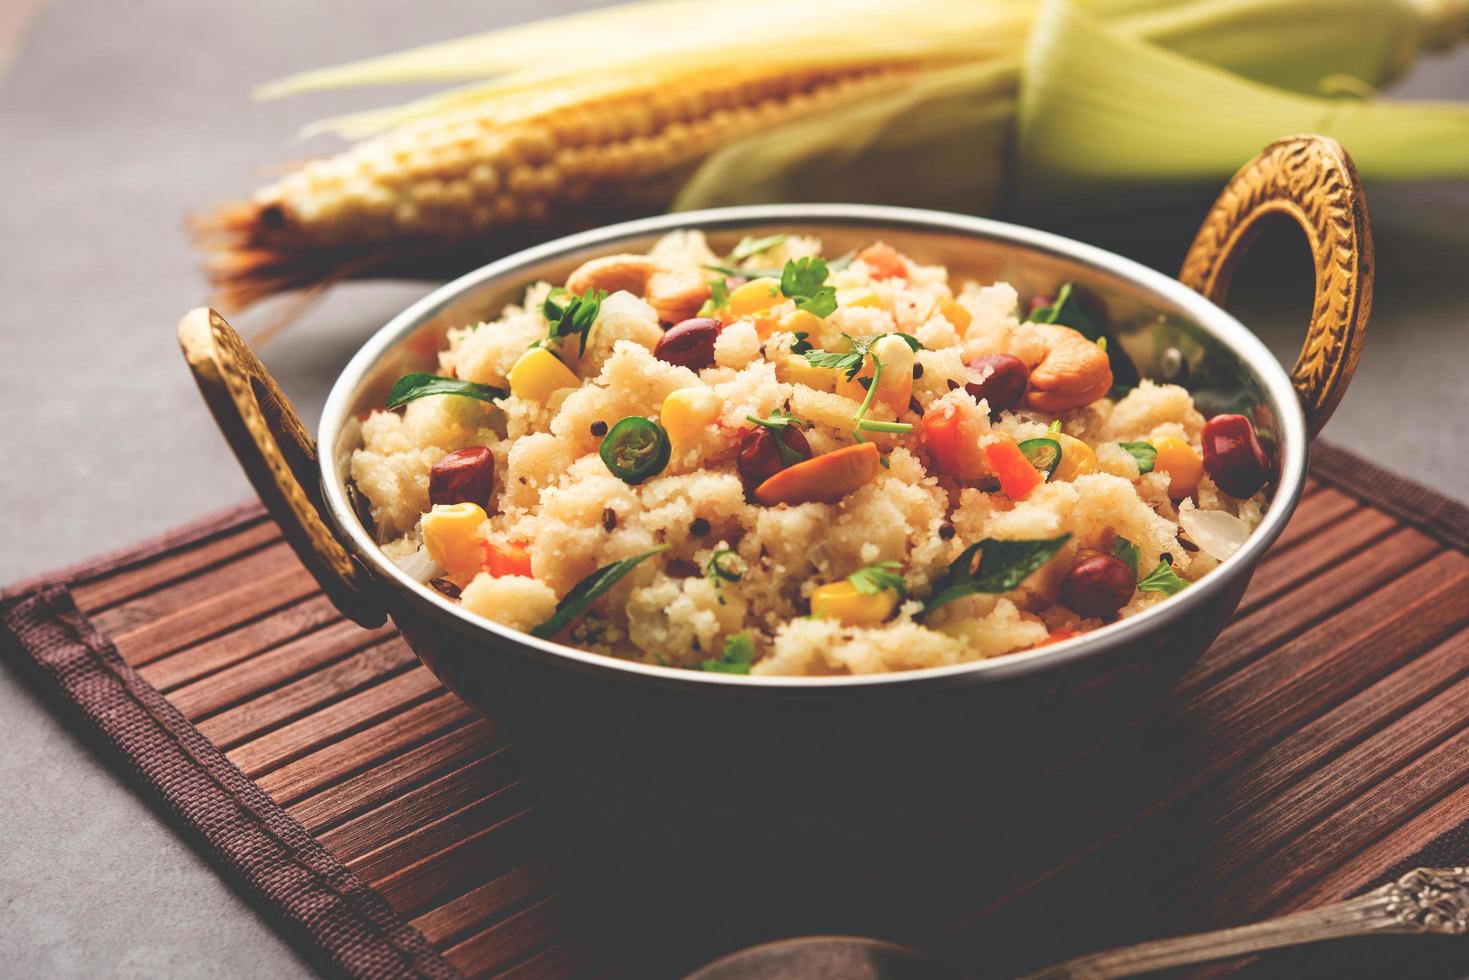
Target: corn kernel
<point x="449" y="534"/>
<point x="895" y="387"/>
<point x="754" y="296"/>
<point x="955" y="313"/>
<point x="1182" y="464"/>
<point x="799" y="371"/>
<point x="858" y="296"/>
<point x="688" y="411"/>
<point x="842" y="601"/>
<point x="538" y="373"/>
<point x="1077" y="458"/>
<point x="799" y="321"/>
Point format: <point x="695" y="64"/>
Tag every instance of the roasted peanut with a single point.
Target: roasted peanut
<point x="1073" y="371"/>
<point x="675" y="294"/>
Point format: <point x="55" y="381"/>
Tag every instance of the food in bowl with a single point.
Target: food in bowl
<point x="774" y="463"/>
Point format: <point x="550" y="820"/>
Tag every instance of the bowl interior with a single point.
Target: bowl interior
<point x="1168" y="331"/>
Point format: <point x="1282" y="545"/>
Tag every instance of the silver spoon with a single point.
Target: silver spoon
<point x="1423" y="901"/>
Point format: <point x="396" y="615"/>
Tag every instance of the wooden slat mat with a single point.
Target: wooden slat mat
<point x="1320" y="745"/>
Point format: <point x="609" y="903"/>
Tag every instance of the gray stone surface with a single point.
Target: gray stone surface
<point x="117" y="117"/>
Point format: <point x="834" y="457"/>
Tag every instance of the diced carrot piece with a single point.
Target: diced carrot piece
<point x="1057" y="635"/>
<point x="883" y="261"/>
<point x="509" y="559"/>
<point x="1017" y="477"/>
<point x="952" y="454"/>
<point x="822" y="479"/>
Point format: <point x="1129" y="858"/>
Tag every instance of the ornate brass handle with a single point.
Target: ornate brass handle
<point x="1425" y="900"/>
<point x="278" y="455"/>
<point x="1312" y="180"/>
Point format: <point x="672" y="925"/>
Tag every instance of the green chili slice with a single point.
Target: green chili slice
<point x="1044" y="454"/>
<point x="636" y="449"/>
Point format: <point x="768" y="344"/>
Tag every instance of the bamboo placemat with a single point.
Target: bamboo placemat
<point x="1321" y="745"/>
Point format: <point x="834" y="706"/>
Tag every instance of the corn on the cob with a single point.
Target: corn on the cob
<point x="913" y="103"/>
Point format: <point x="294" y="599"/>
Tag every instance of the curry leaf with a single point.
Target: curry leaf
<point x="1003" y="565"/>
<point x="421" y="385"/>
<point x="1127" y="553"/>
<point x="585" y="592"/>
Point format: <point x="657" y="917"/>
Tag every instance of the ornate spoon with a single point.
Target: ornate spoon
<point x="1423" y="901"/>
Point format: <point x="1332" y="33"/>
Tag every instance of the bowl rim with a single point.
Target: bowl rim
<point x="1112" y="638"/>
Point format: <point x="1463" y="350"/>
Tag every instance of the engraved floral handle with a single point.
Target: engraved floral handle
<point x="1312" y="180"/>
<point x="1426" y="900"/>
<point x="277" y="454"/>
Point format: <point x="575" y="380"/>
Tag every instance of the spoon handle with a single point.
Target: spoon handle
<point x="1425" y="900"/>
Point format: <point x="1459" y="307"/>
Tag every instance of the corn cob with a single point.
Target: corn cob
<point x="863" y="100"/>
<point x="482" y="170"/>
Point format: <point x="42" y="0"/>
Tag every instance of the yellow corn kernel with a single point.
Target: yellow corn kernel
<point x="895" y="387"/>
<point x="450" y="535"/>
<point x="858" y="296"/>
<point x="799" y="321"/>
<point x="688" y="411"/>
<point x="842" y="601"/>
<point x="799" y="371"/>
<point x="1184" y="466"/>
<point x="538" y="373"/>
<point x="754" y="296"/>
<point x="1077" y="458"/>
<point x="955" y="313"/>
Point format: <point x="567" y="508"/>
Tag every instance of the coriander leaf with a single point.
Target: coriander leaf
<point x="1143" y="452"/>
<point x="1127" y="553"/>
<point x="1003" y="565"/>
<point x="874" y="579"/>
<point x="1163" y="579"/>
<point x="850" y="362"/>
<point x="754" y="246"/>
<point x="803" y="280"/>
<point x="420" y="385"/>
<point x="780" y="419"/>
<point x="576" y="317"/>
<point x="583" y="593"/>
<point x="739" y="653"/>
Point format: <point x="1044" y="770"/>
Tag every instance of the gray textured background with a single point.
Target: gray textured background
<point x="115" y="118"/>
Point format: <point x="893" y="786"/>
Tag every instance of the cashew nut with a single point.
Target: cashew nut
<point x="676" y="294"/>
<point x="1073" y="371"/>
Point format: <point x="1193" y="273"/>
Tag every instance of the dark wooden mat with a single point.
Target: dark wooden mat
<point x="1321" y="745"/>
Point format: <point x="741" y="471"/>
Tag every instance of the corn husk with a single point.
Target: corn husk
<point x="684" y="103"/>
<point x="1101" y="112"/>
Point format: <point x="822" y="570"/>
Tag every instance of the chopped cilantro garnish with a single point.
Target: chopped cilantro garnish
<point x="738" y="655"/>
<point x="873" y="579"/>
<point x="1143" y="452"/>
<point x="1163" y="579"/>
<point x="804" y="280"/>
<point x="576" y="316"/>
<point x="850" y="362"/>
<point x="1003" y="565"/>
<point x="780" y="419"/>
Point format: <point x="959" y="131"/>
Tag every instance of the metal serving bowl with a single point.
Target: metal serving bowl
<point x="585" y="704"/>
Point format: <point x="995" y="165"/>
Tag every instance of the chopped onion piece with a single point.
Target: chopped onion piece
<point x="1217" y="534"/>
<point x="420" y="566"/>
